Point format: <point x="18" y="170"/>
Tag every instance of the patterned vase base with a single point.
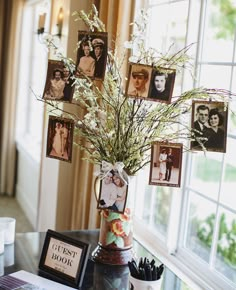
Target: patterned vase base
<point x="112" y="256"/>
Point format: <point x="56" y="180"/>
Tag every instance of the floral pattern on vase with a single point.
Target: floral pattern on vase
<point x="116" y="229"/>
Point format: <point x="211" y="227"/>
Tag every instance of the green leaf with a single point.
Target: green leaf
<point x="113" y="216"/>
<point x="127" y="227"/>
<point x="119" y="242"/>
<point x="110" y="238"/>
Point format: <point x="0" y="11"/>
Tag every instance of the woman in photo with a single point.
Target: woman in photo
<point x="216" y="137"/>
<point x="121" y="192"/>
<point x="108" y="193"/>
<point x="57" y="140"/>
<point x="162" y="160"/>
<point x="56" y="86"/>
<point x="86" y="62"/>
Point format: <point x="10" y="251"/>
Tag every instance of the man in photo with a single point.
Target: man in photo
<point x="100" y="61"/>
<point x="201" y="124"/>
<point x="68" y="89"/>
<point x="159" y="90"/>
<point x="169" y="164"/>
<point x="140" y="77"/>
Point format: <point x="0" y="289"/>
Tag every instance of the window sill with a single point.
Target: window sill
<point x="195" y="276"/>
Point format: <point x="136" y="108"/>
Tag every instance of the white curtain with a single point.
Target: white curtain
<point x="10" y="25"/>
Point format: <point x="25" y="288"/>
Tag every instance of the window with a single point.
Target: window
<point x="197" y="223"/>
<point x="32" y="75"/>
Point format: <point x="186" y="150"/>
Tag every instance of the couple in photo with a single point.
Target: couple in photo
<point x="92" y="62"/>
<point x="113" y="192"/>
<point x="166" y="160"/>
<point x="209" y="129"/>
<point x="60" y="85"/>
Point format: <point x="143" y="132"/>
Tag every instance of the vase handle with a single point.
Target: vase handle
<point x="96" y="187"/>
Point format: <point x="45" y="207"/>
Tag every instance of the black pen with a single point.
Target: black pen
<point x="154" y="273"/>
<point x="160" y="271"/>
<point x="140" y="264"/>
<point x="152" y="263"/>
<point x="133" y="270"/>
<point x="148" y="272"/>
<point x="142" y="274"/>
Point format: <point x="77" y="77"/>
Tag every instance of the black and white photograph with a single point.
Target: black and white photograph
<point x="60" y="138"/>
<point x="138" y="81"/>
<point x="59" y="83"/>
<point x="209" y="125"/>
<point x="166" y="164"/>
<point x="113" y="192"/>
<point x="162" y="85"/>
<point x="91" y="54"/>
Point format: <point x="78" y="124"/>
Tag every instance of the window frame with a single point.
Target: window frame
<point x="173" y="253"/>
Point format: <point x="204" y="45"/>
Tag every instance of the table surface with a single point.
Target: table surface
<point x="25" y="254"/>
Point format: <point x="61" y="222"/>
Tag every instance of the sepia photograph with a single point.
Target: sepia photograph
<point x="92" y="54"/>
<point x="113" y="192"/>
<point x="166" y="164"/>
<point x="59" y="83"/>
<point x="60" y="138"/>
<point x="162" y="85"/>
<point x="209" y="125"/>
<point x="138" y="80"/>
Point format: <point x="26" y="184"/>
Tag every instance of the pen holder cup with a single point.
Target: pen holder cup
<point x="136" y="284"/>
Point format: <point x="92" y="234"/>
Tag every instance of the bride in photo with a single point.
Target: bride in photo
<point x="57" y="140"/>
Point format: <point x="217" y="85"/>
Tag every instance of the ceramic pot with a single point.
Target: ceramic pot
<point x="115" y="245"/>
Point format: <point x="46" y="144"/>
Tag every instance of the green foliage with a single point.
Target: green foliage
<point x="225" y="19"/>
<point x="205" y="230"/>
<point x="226" y="240"/>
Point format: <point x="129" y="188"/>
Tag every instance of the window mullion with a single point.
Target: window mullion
<point x="217" y="220"/>
<point x="201" y="36"/>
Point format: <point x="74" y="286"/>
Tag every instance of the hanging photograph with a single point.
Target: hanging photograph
<point x="138" y="81"/>
<point x="209" y="124"/>
<point x="59" y="83"/>
<point x="166" y="164"/>
<point x="162" y="85"/>
<point x="60" y="138"/>
<point x="91" y="54"/>
<point x="113" y="192"/>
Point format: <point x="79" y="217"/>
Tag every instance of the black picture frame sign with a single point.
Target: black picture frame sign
<point x="64" y="259"/>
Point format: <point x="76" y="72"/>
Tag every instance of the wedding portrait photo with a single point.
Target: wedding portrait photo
<point x="91" y="54"/>
<point x="209" y="124"/>
<point x="162" y="85"/>
<point x="113" y="192"/>
<point x="166" y="164"/>
<point x="60" y="138"/>
<point x="138" y="81"/>
<point x="59" y="82"/>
